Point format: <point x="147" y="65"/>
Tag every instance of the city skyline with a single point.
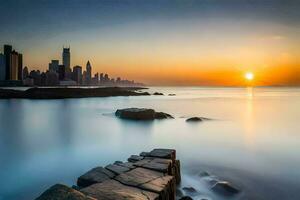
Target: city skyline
<point x="164" y="42"/>
<point x="59" y="72"/>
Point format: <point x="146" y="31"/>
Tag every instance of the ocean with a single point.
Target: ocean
<point x="251" y="141"/>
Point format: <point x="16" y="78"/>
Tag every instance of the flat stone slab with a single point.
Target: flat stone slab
<point x="134" y="158"/>
<point x="117" y="169"/>
<point x="113" y="190"/>
<point x="95" y="175"/>
<point x="150" y="180"/>
<point x="125" y="164"/>
<point x="157" y="164"/>
<point x="163" y="153"/>
<point x="62" y="192"/>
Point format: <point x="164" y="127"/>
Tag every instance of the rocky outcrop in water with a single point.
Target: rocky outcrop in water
<point x="62" y="93"/>
<point x="197" y="119"/>
<point x="152" y="175"/>
<point x="141" y="114"/>
<point x="224" y="188"/>
<point x="158" y="93"/>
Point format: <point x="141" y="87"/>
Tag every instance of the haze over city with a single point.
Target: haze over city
<point x="205" y="42"/>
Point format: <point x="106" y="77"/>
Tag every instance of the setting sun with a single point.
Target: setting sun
<point x="249" y="76"/>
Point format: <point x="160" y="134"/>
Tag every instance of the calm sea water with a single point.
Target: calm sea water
<point x="253" y="141"/>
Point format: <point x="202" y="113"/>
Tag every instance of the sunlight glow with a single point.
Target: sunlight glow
<point x="249" y="76"/>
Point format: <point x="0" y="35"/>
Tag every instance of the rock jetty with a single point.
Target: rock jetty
<point x="151" y="175"/>
<point x="63" y="93"/>
<point x="141" y="114"/>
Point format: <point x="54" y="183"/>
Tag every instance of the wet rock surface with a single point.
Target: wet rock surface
<point x="190" y="190"/>
<point x="141" y="114"/>
<point x="150" y="177"/>
<point x="63" y="192"/>
<point x="224" y="188"/>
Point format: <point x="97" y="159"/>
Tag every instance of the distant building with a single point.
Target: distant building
<point x="36" y="76"/>
<point x="20" y="67"/>
<point x="88" y="72"/>
<point x="95" y="80"/>
<point x="77" y="74"/>
<point x="25" y="73"/>
<point x="61" y="72"/>
<point x="53" y="66"/>
<point x="2" y="67"/>
<point x="14" y="66"/>
<point x="52" y="78"/>
<point x="66" y="57"/>
<point x="7" y="52"/>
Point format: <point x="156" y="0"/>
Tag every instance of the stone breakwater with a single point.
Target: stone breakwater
<point x="150" y="175"/>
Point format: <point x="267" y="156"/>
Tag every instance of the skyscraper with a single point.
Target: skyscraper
<point x="66" y="56"/>
<point x="14" y="66"/>
<point x="7" y="52"/>
<point x="20" y="67"/>
<point x="53" y="66"/>
<point x="88" y="72"/>
<point x="2" y="67"/>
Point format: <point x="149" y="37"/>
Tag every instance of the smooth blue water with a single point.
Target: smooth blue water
<point x="253" y="141"/>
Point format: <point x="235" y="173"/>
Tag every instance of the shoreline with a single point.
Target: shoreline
<point x="64" y="93"/>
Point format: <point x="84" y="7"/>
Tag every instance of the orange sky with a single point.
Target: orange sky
<point x="189" y="45"/>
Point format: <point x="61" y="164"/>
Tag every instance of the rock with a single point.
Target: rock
<point x="163" y="153"/>
<point x="225" y="188"/>
<point x="150" y="180"/>
<point x="194" y="119"/>
<point x="197" y="119"/>
<point x="136" y="113"/>
<point x="125" y="164"/>
<point x="135" y="158"/>
<point x="144" y="154"/>
<point x="162" y="115"/>
<point x="141" y="114"/>
<point x="157" y="93"/>
<point x="176" y="171"/>
<point x="190" y="190"/>
<point x="179" y="193"/>
<point x="186" y="198"/>
<point x="204" y="174"/>
<point x="95" y="175"/>
<point x="112" y="190"/>
<point x="62" y="192"/>
<point x="117" y="169"/>
<point x="157" y="164"/>
<point x="172" y="94"/>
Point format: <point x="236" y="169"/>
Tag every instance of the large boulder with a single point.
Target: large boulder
<point x="141" y="114"/>
<point x="225" y="188"/>
<point x="62" y="192"/>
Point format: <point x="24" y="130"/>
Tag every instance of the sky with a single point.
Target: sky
<point x="162" y="42"/>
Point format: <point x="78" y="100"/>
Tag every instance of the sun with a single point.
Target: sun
<point x="249" y="76"/>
